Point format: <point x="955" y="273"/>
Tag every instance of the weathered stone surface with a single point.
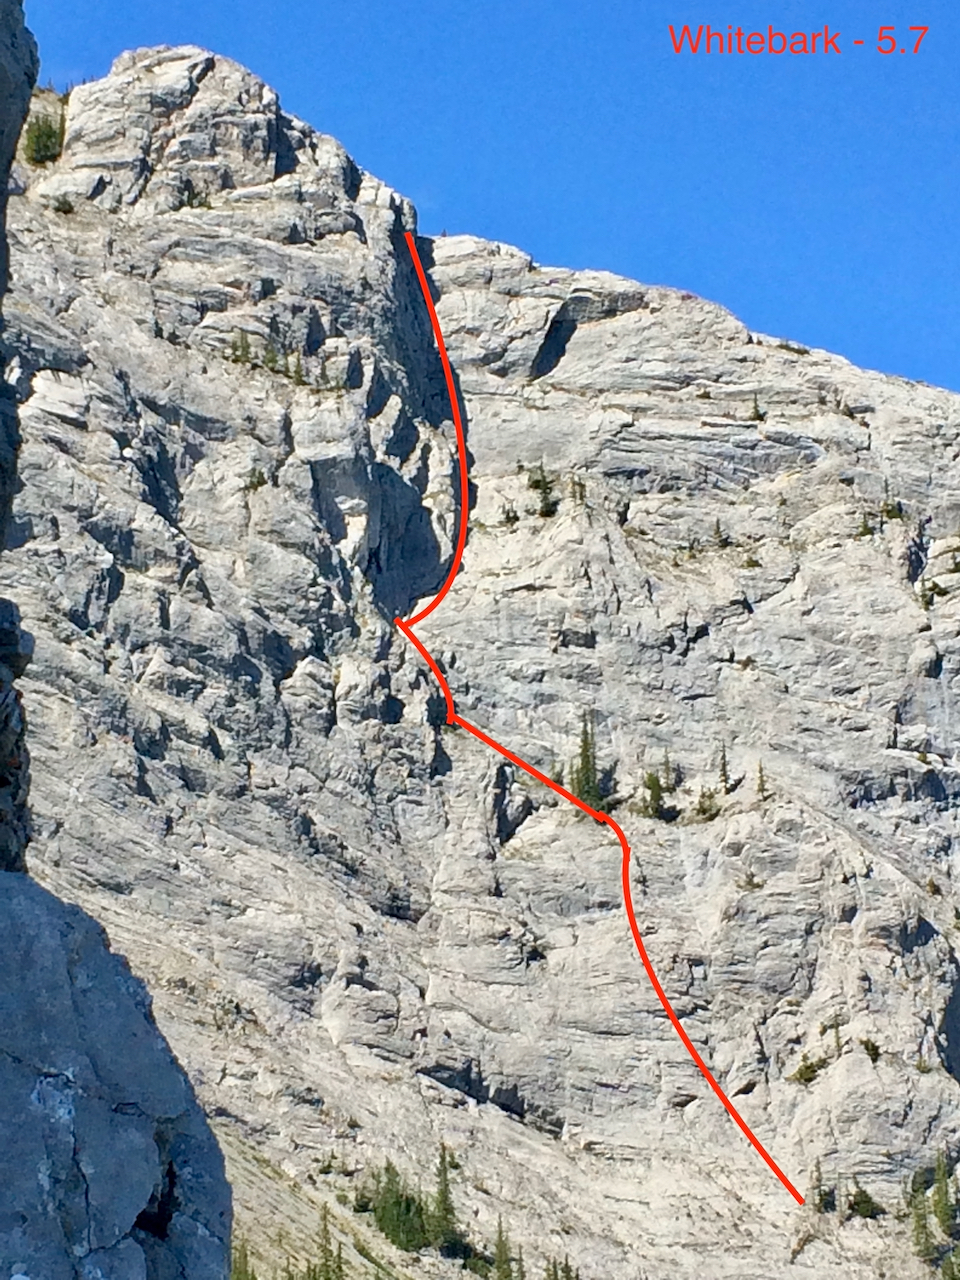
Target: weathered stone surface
<point x="109" y="1168"/>
<point x="18" y="71"/>
<point x="364" y="933"/>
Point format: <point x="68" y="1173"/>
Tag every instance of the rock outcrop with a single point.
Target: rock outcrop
<point x="108" y="1168"/>
<point x="110" y="1171"/>
<point x="364" y="933"/>
<point x="18" y="72"/>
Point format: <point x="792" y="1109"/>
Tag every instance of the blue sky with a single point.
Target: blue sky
<point x="817" y="197"/>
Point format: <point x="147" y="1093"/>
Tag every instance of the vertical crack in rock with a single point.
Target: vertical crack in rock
<point x="155" y="1219"/>
<point x="78" y="1165"/>
<point x="551" y="351"/>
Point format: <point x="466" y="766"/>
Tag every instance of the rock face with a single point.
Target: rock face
<point x="108" y="1168"/>
<point x="365" y="933"/>
<point x="18" y="71"/>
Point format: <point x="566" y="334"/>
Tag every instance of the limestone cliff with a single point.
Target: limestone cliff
<point x="18" y="71"/>
<point x="108" y="1169"/>
<point x="364" y="933"/>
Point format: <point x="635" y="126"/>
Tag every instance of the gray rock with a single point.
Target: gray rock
<point x="364" y="932"/>
<point x="110" y="1170"/>
<point x="18" y="71"/>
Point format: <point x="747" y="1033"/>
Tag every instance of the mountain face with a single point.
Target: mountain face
<point x="108" y="1169"/>
<point x="726" y="565"/>
<point x="18" y="73"/>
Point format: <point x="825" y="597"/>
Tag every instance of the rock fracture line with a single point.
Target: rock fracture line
<point x="453" y="718"/>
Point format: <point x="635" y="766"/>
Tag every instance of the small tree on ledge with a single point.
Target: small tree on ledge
<point x="444" y="1232"/>
<point x="584" y="780"/>
<point x="763" y="791"/>
<point x="502" y="1266"/>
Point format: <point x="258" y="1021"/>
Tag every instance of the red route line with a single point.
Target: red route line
<point x="454" y="718"/>
<point x="461" y="454"/>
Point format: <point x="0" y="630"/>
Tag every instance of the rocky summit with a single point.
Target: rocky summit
<point x="711" y="578"/>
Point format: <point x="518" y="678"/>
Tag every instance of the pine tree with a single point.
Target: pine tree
<point x="862" y="1202"/>
<point x="398" y="1212"/>
<point x="816" y="1187"/>
<point x="922" y="1240"/>
<point x="271" y="358"/>
<point x="325" y="1269"/>
<point x="502" y="1268"/>
<point x="567" y="1272"/>
<point x="724" y="771"/>
<point x="521" y="1270"/>
<point x="762" y="791"/>
<point x="443" y="1218"/>
<point x="241" y="1268"/>
<point x="944" y="1210"/>
<point x="541" y="482"/>
<point x="43" y="139"/>
<point x="669" y="773"/>
<point x="338" y="1273"/>
<point x="584" y="782"/>
<point x="652" y="803"/>
<point x="823" y="1198"/>
<point x="298" y="371"/>
<point x="240" y="347"/>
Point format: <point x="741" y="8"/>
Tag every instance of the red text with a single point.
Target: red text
<point x="738" y="41"/>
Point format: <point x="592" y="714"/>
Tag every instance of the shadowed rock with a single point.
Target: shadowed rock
<point x="108" y="1160"/>
<point x="108" y="1169"/>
